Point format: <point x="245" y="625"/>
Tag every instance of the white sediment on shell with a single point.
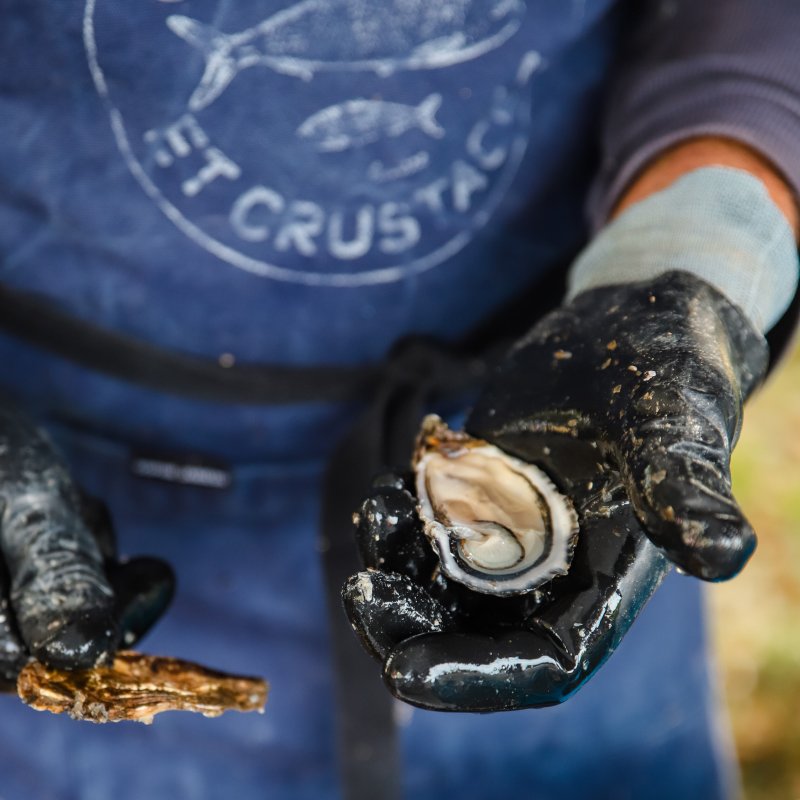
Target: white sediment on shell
<point x="499" y="524"/>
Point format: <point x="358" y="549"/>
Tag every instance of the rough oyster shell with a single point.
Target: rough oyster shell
<point x="498" y="524"/>
<point x="135" y="687"/>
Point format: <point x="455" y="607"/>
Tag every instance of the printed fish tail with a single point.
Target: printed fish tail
<point x="426" y="116"/>
<point x="217" y="48"/>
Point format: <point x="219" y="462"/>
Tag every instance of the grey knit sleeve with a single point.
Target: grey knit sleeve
<point x="700" y="67"/>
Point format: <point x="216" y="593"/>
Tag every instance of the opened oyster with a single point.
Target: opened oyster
<point x="498" y="524"/>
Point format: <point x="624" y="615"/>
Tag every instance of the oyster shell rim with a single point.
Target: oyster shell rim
<point x="436" y="436"/>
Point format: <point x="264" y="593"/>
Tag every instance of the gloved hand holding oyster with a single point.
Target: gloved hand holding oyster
<point x="68" y="602"/>
<point x="619" y="409"/>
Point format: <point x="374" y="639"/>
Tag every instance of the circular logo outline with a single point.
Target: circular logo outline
<point x="235" y="258"/>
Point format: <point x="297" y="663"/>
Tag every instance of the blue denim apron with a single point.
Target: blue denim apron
<point x="303" y="183"/>
<point x="274" y="215"/>
<point x="250" y="600"/>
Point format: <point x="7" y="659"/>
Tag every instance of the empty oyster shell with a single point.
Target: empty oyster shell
<point x="498" y="524"/>
<point x="136" y="687"/>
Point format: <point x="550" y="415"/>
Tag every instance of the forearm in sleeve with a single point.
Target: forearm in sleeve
<point x="690" y="69"/>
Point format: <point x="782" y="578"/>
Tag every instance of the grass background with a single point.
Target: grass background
<point x="756" y="616"/>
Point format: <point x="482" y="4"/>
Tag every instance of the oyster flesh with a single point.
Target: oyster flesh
<point x="498" y="524"/>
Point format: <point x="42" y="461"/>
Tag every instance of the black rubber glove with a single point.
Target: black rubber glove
<point x="65" y="598"/>
<point x="630" y="398"/>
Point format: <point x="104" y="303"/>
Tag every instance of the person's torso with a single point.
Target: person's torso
<point x="294" y="182"/>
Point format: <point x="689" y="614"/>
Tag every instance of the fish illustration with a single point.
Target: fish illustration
<point x="314" y="36"/>
<point x="355" y="123"/>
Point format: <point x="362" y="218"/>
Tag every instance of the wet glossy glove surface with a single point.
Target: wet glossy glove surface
<point x="630" y="398"/>
<point x="65" y="597"/>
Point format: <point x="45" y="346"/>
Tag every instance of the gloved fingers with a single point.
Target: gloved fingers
<point x="479" y="673"/>
<point x="394" y="479"/>
<point x="389" y="533"/>
<point x="143" y="586"/>
<point x="13" y="655"/>
<point x="540" y="658"/>
<point x="388" y="608"/>
<point x="62" y="601"/>
<point x="560" y="647"/>
<point x="143" y="589"/>
<point x="13" y="652"/>
<point x="677" y="474"/>
<point x="98" y="520"/>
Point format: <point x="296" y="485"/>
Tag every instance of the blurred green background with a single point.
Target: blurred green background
<point x="756" y="616"/>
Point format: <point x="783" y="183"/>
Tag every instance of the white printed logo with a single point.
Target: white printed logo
<point x="330" y="142"/>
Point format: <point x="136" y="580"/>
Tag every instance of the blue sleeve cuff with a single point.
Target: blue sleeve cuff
<point x="719" y="224"/>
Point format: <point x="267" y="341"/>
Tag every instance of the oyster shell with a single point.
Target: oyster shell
<point x="498" y="524"/>
<point x="135" y="687"/>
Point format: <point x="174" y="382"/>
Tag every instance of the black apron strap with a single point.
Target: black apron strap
<point x="38" y="322"/>
<point x="417" y="373"/>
